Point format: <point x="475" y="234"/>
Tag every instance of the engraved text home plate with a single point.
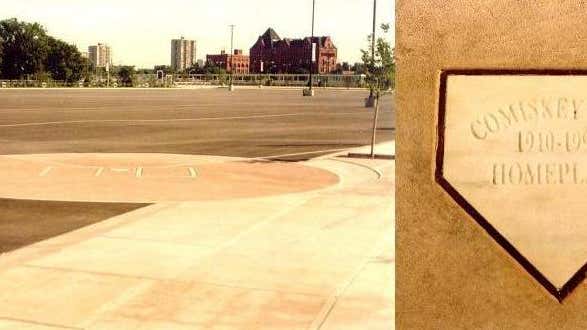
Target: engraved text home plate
<point x="513" y="152"/>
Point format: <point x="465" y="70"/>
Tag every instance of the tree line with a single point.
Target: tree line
<point x="27" y="51"/>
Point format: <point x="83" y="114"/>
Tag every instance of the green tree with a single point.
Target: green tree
<point x="379" y="67"/>
<point x="342" y="67"/>
<point x="144" y="71"/>
<point x="210" y="69"/>
<point x="25" y="48"/>
<point x="126" y="75"/>
<point x="358" y="68"/>
<point x="1" y="54"/>
<point x="165" y="68"/>
<point x="88" y="73"/>
<point x="213" y="69"/>
<point x="64" y="61"/>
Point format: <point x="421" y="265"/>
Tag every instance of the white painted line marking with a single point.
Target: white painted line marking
<point x="177" y="120"/>
<point x="99" y="171"/>
<point x="193" y="172"/>
<point x="119" y="170"/>
<point x="139" y="172"/>
<point x="301" y="153"/>
<point x="46" y="171"/>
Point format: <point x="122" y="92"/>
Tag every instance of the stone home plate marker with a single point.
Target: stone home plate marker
<point x="512" y="151"/>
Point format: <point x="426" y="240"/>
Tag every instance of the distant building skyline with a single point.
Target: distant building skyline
<point x="139" y="33"/>
<point x="183" y="54"/>
<point x="237" y="62"/>
<point x="100" y="55"/>
<point x="273" y="54"/>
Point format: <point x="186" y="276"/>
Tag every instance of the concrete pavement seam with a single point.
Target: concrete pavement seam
<point x="339" y="291"/>
<point x="173" y="279"/>
<point x="378" y="172"/>
<point x="117" y="302"/>
<point x="52" y="325"/>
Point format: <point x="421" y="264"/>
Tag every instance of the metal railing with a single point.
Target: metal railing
<point x="324" y="80"/>
<point x="34" y="83"/>
<point x="150" y="80"/>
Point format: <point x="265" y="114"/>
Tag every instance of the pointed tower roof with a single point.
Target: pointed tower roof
<point x="270" y="36"/>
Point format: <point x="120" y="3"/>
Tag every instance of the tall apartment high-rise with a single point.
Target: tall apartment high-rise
<point x="100" y="55"/>
<point x="183" y="54"/>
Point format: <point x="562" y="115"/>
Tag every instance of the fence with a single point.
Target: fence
<point x="323" y="80"/>
<point x="34" y="83"/>
<point x="150" y="80"/>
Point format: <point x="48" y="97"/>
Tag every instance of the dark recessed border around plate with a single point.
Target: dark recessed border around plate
<point x="579" y="276"/>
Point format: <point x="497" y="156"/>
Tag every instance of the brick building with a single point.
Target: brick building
<point x="236" y="61"/>
<point x="271" y="54"/>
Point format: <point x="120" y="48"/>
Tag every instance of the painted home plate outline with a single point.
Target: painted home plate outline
<point x="152" y="178"/>
<point x="137" y="171"/>
<point x="509" y="155"/>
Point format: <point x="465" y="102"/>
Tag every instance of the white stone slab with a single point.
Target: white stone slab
<point x="515" y="148"/>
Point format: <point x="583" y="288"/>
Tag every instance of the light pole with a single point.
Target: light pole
<point x="230" y="86"/>
<point x="107" y="74"/>
<point x="374" y="98"/>
<point x="371" y="100"/>
<point x="310" y="90"/>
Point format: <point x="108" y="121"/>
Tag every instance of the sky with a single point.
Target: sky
<point x="139" y="31"/>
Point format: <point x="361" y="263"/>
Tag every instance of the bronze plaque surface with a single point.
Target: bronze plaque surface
<point x="513" y="152"/>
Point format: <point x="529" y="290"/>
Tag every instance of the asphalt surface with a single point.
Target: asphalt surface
<point x="245" y="123"/>
<point x="278" y="124"/>
<point x="23" y="222"/>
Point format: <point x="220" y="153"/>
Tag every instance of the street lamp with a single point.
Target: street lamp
<point x="107" y="74"/>
<point x="231" y="56"/>
<point x="310" y="90"/>
<point x="374" y="98"/>
<point x="371" y="99"/>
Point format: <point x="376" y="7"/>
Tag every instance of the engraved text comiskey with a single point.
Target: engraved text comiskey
<point x="527" y="142"/>
<point x="526" y="111"/>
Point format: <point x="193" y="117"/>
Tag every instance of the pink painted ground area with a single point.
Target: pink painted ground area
<point x="152" y="177"/>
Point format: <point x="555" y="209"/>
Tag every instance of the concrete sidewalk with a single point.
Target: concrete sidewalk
<point x="322" y="259"/>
